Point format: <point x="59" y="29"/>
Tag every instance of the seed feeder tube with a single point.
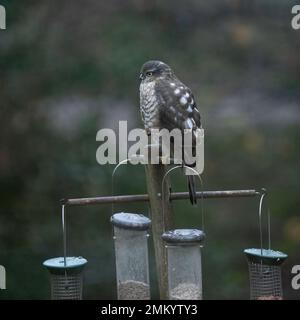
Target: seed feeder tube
<point x="184" y="263"/>
<point x="66" y="277"/>
<point x="265" y="273"/>
<point x="131" y="251"/>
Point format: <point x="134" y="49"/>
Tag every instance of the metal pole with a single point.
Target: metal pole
<point x="145" y="197"/>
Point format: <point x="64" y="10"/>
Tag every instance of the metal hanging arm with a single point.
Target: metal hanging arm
<point x="263" y="196"/>
<point x="200" y="179"/>
<point x="173" y="196"/>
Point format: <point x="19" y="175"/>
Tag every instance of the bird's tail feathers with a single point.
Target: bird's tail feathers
<point x="192" y="189"/>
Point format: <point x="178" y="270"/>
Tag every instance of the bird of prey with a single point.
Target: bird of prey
<point x="165" y="102"/>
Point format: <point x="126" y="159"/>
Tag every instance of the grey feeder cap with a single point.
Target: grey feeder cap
<point x="131" y="221"/>
<point x="74" y="265"/>
<point x="265" y="256"/>
<point x="184" y="236"/>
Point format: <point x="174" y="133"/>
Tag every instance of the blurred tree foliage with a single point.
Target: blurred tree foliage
<point x="70" y="69"/>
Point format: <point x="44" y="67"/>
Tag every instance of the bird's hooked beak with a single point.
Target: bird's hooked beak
<point x="142" y="77"/>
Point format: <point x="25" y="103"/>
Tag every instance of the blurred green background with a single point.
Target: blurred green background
<point x="69" y="69"/>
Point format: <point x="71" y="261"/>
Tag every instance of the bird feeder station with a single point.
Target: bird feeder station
<point x="178" y="257"/>
<point x="265" y="273"/>
<point x="66" y="277"/>
<point x="184" y="263"/>
<point x="131" y="250"/>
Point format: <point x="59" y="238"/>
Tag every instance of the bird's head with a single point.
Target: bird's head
<point x="154" y="69"/>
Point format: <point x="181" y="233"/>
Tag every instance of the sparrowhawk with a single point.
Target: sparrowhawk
<point x="165" y="102"/>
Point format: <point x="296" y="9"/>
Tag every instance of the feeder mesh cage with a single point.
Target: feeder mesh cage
<point x="265" y="281"/>
<point x="67" y="287"/>
<point x="265" y="273"/>
<point x="66" y="280"/>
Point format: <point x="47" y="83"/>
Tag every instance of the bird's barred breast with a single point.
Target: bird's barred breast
<point x="148" y="104"/>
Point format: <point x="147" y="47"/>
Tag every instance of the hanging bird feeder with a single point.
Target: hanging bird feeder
<point x="184" y="263"/>
<point x="265" y="265"/>
<point x="66" y="277"/>
<point x="131" y="250"/>
<point x="265" y="273"/>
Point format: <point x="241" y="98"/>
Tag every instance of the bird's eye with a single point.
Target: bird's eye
<point x="149" y="74"/>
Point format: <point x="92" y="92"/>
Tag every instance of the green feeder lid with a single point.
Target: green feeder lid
<point x="57" y="265"/>
<point x="265" y="256"/>
<point x="184" y="236"/>
<point x="130" y="221"/>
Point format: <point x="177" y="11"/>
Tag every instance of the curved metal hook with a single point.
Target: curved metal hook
<point x="263" y="195"/>
<point x="118" y="165"/>
<point x="112" y="181"/>
<point x="163" y="185"/>
<point x="125" y="161"/>
<point x="63" y="221"/>
<point x="167" y="173"/>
